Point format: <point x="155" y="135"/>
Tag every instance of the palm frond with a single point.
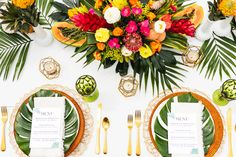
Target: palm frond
<point x="44" y="7"/>
<point x="219" y="55"/>
<point x="13" y="48"/>
<point x="163" y="70"/>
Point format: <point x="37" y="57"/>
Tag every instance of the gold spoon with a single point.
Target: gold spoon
<point x="105" y="125"/>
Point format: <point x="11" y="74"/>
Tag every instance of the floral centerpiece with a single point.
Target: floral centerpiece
<point x="143" y="34"/>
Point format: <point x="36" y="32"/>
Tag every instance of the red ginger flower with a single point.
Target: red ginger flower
<point x="89" y="22"/>
<point x="183" y="26"/>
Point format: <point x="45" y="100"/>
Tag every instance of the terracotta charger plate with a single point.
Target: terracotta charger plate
<point x="74" y="103"/>
<point x="215" y="114"/>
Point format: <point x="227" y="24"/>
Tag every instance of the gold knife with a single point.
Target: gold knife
<point x="98" y="129"/>
<point x="229" y="128"/>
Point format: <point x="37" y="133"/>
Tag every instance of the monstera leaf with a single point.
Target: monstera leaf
<point x="161" y="133"/>
<point x="24" y="121"/>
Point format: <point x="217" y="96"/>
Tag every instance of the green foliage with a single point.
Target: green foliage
<point x="13" y="47"/>
<point x="62" y="12"/>
<point x="19" y="19"/>
<point x="45" y="6"/>
<point x="161" y="134"/>
<point x="215" y="13"/>
<point x="162" y="68"/>
<point x="219" y="55"/>
<point x="23" y="122"/>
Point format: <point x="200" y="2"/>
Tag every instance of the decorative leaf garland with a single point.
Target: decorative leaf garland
<point x="15" y="47"/>
<point x="219" y="55"/>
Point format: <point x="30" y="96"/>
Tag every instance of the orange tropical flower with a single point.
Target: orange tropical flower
<point x="134" y="2"/>
<point x="101" y="46"/>
<point x="98" y="4"/>
<point x="155" y="46"/>
<point x="151" y="16"/>
<point x="97" y="56"/>
<point x="118" y="32"/>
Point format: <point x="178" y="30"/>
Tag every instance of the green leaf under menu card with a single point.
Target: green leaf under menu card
<point x="161" y="134"/>
<point x="24" y="121"/>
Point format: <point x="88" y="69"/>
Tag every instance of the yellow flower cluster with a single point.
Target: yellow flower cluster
<point x="23" y="4"/>
<point x="228" y="7"/>
<point x="74" y="11"/>
<point x="119" y="3"/>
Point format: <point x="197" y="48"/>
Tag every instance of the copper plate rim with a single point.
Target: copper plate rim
<point x="216" y="116"/>
<point x="66" y="93"/>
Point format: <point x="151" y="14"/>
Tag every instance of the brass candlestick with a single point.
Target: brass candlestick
<point x="128" y="86"/>
<point x="192" y="56"/>
<point x="49" y="68"/>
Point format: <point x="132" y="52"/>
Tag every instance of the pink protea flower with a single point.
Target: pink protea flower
<point x="126" y="11"/>
<point x="132" y="27"/>
<point x="114" y="43"/>
<point x="137" y="11"/>
<point x="133" y="41"/>
<point x="145" y="31"/>
<point x="144" y="23"/>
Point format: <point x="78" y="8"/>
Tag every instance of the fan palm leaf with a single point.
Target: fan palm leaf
<point x="13" y="47"/>
<point x="219" y="55"/>
<point x="44" y="7"/>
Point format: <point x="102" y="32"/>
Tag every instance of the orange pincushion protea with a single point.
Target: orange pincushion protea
<point x="23" y="4"/>
<point x="228" y="7"/>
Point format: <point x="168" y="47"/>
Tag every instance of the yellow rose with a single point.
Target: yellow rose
<point x="23" y="4"/>
<point x="102" y="35"/>
<point x="145" y="52"/>
<point x="74" y="11"/>
<point x="119" y="3"/>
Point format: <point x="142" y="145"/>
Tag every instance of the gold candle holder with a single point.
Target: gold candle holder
<point x="128" y="86"/>
<point x="49" y="68"/>
<point x="192" y="56"/>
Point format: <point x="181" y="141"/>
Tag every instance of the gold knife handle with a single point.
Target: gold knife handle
<point x="3" y="145"/>
<point x="229" y="125"/>
<point x="138" y="146"/>
<point x="105" y="143"/>
<point x="130" y="143"/>
<point x="97" y="149"/>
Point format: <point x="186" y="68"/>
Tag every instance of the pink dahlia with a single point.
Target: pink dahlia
<point x="137" y="11"/>
<point x="144" y="23"/>
<point x="133" y="41"/>
<point x="132" y="27"/>
<point x="89" y="22"/>
<point x="126" y="12"/>
<point x="114" y="43"/>
<point x="145" y="31"/>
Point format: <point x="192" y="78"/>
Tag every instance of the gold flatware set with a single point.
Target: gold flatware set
<point x="105" y="123"/>
<point x="130" y="124"/>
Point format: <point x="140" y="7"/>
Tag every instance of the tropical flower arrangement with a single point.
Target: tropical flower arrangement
<point x="143" y="34"/>
<point x="18" y="18"/>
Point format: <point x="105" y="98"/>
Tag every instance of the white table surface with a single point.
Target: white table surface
<point x="116" y="106"/>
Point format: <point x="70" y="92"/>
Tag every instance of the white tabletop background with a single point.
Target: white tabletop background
<point x="116" y="106"/>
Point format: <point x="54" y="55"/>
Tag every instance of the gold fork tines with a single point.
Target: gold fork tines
<point x="130" y="126"/>
<point x="4" y="120"/>
<point x="138" y="124"/>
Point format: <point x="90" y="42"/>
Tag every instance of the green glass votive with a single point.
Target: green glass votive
<point x="87" y="87"/>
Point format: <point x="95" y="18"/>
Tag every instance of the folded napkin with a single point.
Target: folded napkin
<point x="48" y="127"/>
<point x="196" y="109"/>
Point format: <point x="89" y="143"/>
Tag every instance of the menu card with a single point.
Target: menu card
<point x="47" y="129"/>
<point x="185" y="130"/>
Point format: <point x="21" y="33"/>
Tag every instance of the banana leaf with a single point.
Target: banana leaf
<point x="23" y="122"/>
<point x="161" y="134"/>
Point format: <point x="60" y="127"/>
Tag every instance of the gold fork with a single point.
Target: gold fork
<point x="229" y="128"/>
<point x="130" y="126"/>
<point x="138" y="124"/>
<point x="4" y="120"/>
